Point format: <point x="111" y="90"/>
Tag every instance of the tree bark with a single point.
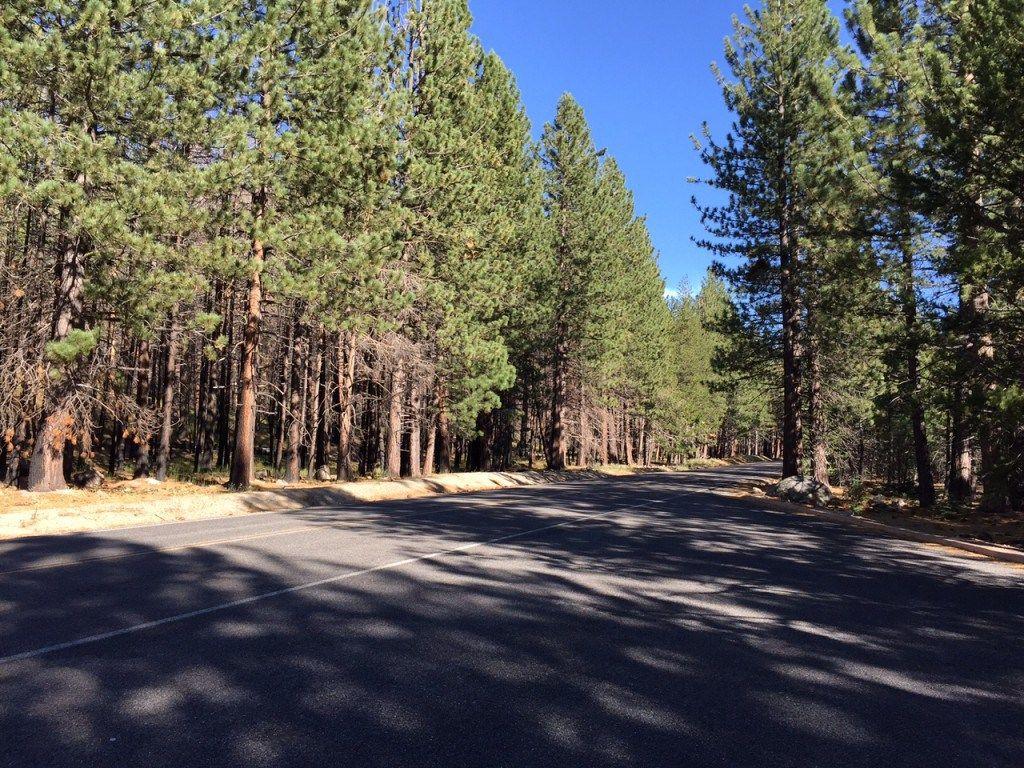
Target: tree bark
<point x="393" y="453"/>
<point x="792" y="436"/>
<point x="226" y="394"/>
<point x="144" y="365"/>
<point x="415" y="428"/>
<point x="922" y="454"/>
<point x="960" y="483"/>
<point x="321" y="409"/>
<point x="346" y="380"/>
<point x="244" y="457"/>
<point x="46" y="469"/>
<point x="605" y="430"/>
<point x="444" y="434"/>
<point x="294" y="411"/>
<point x="431" y="449"/>
<point x="816" y="416"/>
<point x="557" y="448"/>
<point x="163" y="456"/>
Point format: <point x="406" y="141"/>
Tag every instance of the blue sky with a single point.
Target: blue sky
<point x="641" y="70"/>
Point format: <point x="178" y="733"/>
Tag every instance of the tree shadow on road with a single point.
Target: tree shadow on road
<point x="700" y="633"/>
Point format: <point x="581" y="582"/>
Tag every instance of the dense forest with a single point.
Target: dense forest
<point x="871" y="234"/>
<point x="320" y="239"/>
<point x="308" y="239"/>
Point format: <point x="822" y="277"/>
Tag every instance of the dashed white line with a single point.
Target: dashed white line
<point x="302" y="587"/>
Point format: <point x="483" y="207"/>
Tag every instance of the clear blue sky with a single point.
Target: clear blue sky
<point x="641" y="70"/>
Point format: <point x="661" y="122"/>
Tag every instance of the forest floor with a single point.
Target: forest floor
<point x="872" y="503"/>
<point x="121" y="503"/>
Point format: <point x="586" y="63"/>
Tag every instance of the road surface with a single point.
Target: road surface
<point x="641" y="622"/>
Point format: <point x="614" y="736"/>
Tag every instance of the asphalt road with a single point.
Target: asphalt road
<point x="635" y="622"/>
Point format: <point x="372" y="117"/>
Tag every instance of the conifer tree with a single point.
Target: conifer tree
<point x="572" y="164"/>
<point x="789" y="169"/>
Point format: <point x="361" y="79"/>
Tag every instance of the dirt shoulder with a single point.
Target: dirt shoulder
<point x="1000" y="536"/>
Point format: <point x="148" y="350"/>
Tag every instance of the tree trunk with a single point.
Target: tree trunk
<point x="605" y="431"/>
<point x="430" y="451"/>
<point x="226" y="393"/>
<point x="207" y="418"/>
<point x="321" y="410"/>
<point x="792" y="438"/>
<point x="557" y="448"/>
<point x="960" y="483"/>
<point x="815" y="404"/>
<point x="415" y="429"/>
<point x="46" y="469"/>
<point x="163" y="456"/>
<point x="346" y="380"/>
<point x="244" y="457"/>
<point x="444" y="433"/>
<point x="922" y="454"/>
<point x="294" y="411"/>
<point x="144" y="365"/>
<point x="585" y="437"/>
<point x="393" y="453"/>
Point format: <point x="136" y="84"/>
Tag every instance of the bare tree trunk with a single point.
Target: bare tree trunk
<point x="46" y="470"/>
<point x="557" y="448"/>
<point x="444" y="434"/>
<point x="922" y="454"/>
<point x="645" y="459"/>
<point x="430" y="451"/>
<point x="792" y="352"/>
<point x="393" y="454"/>
<point x="163" y="456"/>
<point x="346" y="380"/>
<point x="415" y="413"/>
<point x="294" y="412"/>
<point x="144" y="364"/>
<point x="960" y="483"/>
<point x="815" y="406"/>
<point x="321" y="411"/>
<point x="208" y="421"/>
<point x="627" y="434"/>
<point x="244" y="457"/>
<point x="605" y="430"/>
<point x="525" y="447"/>
<point x="279" y="425"/>
<point x="585" y="437"/>
<point x="227" y="389"/>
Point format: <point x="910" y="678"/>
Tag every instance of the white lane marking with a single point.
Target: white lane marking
<point x="309" y="585"/>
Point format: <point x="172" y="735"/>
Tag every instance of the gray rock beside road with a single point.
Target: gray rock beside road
<point x="803" y="490"/>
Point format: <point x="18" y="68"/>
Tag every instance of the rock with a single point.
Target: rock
<point x="803" y="490"/>
<point x="89" y="479"/>
<point x="262" y="475"/>
<point x="786" y="485"/>
<point x="322" y="475"/>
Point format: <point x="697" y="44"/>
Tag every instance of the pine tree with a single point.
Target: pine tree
<point x="790" y="168"/>
<point x="573" y="207"/>
<point x="72" y="70"/>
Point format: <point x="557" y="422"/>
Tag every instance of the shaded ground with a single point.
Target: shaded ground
<point x="680" y="628"/>
<point x="967" y="524"/>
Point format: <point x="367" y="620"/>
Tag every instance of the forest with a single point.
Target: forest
<point x="320" y="239"/>
<point x="870" y="231"/>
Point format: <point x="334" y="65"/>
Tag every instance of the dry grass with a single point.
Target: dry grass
<point x="142" y="502"/>
<point x="868" y="502"/>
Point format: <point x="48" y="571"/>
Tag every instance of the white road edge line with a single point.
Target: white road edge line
<point x="302" y="587"/>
